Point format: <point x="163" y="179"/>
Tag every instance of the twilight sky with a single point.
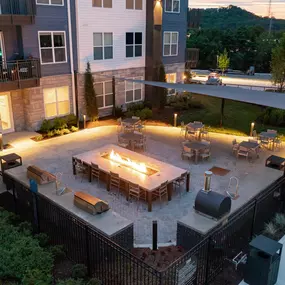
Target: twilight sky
<point x="259" y="7"/>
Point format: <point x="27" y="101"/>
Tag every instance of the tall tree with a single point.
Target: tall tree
<point x="162" y="94"/>
<point x="278" y="64"/>
<point x="223" y="61"/>
<point x="90" y="95"/>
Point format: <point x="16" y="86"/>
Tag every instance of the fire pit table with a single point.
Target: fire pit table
<point x="133" y="167"/>
<point x="275" y="162"/>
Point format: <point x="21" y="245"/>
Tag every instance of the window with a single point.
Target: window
<point x="51" y="2"/>
<point x="52" y="47"/>
<point x="104" y="94"/>
<point x="103" y="46"/>
<point x="133" y="91"/>
<point x="134" y="4"/>
<point x="102" y="3"/>
<point x="56" y="101"/>
<point x="171" y="78"/>
<point x="170" y="44"/>
<point x="133" y="44"/>
<point x="172" y="6"/>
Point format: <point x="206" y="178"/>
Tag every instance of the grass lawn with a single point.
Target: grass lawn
<point x="237" y="116"/>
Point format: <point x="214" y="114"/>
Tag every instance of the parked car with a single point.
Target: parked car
<point x="214" y="81"/>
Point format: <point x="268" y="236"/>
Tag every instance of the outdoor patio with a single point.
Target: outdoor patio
<point x="163" y="143"/>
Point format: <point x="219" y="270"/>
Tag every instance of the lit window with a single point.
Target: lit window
<point x="133" y="44"/>
<point x="171" y="78"/>
<point x="134" y="4"/>
<point x="56" y="102"/>
<point x="51" y="2"/>
<point x="102" y="3"/>
<point x="52" y="47"/>
<point x="170" y="44"/>
<point x="133" y="91"/>
<point x="172" y="6"/>
<point x="103" y="46"/>
<point x="104" y="94"/>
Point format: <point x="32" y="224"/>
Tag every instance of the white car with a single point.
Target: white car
<point x="214" y="81"/>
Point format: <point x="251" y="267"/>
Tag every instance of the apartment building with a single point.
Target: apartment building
<point x="126" y="39"/>
<point x="45" y="46"/>
<point x="35" y="63"/>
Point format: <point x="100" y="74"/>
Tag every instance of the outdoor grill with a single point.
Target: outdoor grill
<point x="211" y="204"/>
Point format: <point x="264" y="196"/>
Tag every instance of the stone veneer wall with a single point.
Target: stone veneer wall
<point x="17" y="107"/>
<point x="178" y="68"/>
<point x="120" y="87"/>
<point x="32" y="112"/>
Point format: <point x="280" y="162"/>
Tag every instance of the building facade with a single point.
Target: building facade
<point x="45" y="46"/>
<point x="36" y="73"/>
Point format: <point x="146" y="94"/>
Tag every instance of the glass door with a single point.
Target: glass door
<point x="6" y="122"/>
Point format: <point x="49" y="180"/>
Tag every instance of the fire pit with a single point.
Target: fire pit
<point x="129" y="163"/>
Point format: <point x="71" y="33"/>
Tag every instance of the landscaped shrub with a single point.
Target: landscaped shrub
<point x="118" y="112"/>
<point x="57" y="252"/>
<point x="129" y="114"/>
<point x="59" y="123"/>
<point x="39" y="138"/>
<point x="94" y="281"/>
<point x="66" y="131"/>
<point x="74" y="129"/>
<point x="43" y="239"/>
<point x="144" y="114"/>
<point x="275" y="229"/>
<point x="57" y="132"/>
<point x="46" y="126"/>
<point x="50" y="134"/>
<point x="135" y="106"/>
<point x="37" y="277"/>
<point x="20" y="253"/>
<point x="79" y="271"/>
<point x="273" y="117"/>
<point x="71" y="120"/>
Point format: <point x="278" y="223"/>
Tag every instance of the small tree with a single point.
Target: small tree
<point x="159" y="97"/>
<point x="223" y="61"/>
<point x="278" y="65"/>
<point x="90" y="96"/>
<point x="187" y="77"/>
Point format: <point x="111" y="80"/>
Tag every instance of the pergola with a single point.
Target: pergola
<point x="267" y="99"/>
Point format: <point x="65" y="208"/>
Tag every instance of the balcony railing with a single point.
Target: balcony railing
<point x="19" y="74"/>
<point x="17" y="12"/>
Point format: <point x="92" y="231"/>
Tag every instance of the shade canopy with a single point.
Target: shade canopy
<point x="268" y="99"/>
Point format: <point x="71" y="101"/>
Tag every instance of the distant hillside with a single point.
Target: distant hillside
<point x="233" y="17"/>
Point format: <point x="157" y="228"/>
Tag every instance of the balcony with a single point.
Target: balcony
<point x="192" y="57"/>
<point x="19" y="74"/>
<point x="17" y="12"/>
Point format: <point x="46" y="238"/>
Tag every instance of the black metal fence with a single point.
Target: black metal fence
<point x="204" y="261"/>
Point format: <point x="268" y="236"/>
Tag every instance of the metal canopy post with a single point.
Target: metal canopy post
<point x="222" y="112"/>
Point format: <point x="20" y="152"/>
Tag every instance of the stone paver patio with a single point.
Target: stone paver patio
<point x="164" y="144"/>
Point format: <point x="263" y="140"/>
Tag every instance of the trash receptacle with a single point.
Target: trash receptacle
<point x="263" y="261"/>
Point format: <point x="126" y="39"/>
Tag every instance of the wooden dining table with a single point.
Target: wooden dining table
<point x="196" y="127"/>
<point x="148" y="183"/>
<point x="131" y="138"/>
<point x="269" y="136"/>
<point x="197" y="147"/>
<point x="250" y="146"/>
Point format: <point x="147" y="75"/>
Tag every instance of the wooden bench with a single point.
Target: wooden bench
<point x="90" y="203"/>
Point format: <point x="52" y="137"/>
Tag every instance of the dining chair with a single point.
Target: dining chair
<point x="119" y="125"/>
<point x="80" y="168"/>
<point x="243" y="151"/>
<point x="205" y="154"/>
<point x="161" y="192"/>
<point x="95" y="172"/>
<point x="141" y="144"/>
<point x="122" y="142"/>
<point x="187" y="152"/>
<point x="140" y="127"/>
<point x="136" y="192"/>
<point x="235" y="146"/>
<point x="115" y="183"/>
<point x="182" y="129"/>
<point x="205" y="135"/>
<point x="180" y="182"/>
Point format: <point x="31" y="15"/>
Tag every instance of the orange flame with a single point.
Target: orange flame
<point x="141" y="167"/>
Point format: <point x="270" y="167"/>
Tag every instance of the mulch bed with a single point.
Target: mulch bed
<point x="219" y="171"/>
<point x="161" y="258"/>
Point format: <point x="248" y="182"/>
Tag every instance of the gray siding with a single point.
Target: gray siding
<point x="49" y="18"/>
<point x="176" y="22"/>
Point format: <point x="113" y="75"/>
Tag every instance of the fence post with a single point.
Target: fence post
<point x="208" y="260"/>
<point x="14" y="197"/>
<point x="34" y="192"/>
<point x="253" y="219"/>
<point x="87" y="251"/>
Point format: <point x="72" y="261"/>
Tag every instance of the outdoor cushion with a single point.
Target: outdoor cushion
<point x="39" y="175"/>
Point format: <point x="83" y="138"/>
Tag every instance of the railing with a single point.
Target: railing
<point x="112" y="264"/>
<point x="17" y="7"/>
<point x="21" y="70"/>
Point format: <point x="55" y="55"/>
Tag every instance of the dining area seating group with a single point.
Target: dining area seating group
<point x="131" y="133"/>
<point x="196" y="143"/>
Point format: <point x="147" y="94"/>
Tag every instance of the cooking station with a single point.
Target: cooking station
<point x="132" y="167"/>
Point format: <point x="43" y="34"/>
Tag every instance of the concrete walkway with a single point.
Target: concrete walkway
<point x="164" y="144"/>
